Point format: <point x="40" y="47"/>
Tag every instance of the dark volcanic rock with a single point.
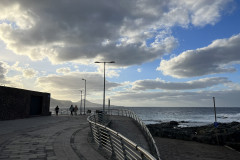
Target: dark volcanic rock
<point x="173" y="123"/>
<point x="224" y="134"/>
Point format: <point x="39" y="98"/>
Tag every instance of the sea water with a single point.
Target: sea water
<point x="187" y="116"/>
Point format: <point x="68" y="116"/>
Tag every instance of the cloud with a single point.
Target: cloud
<point x="68" y="86"/>
<point x="26" y="71"/>
<point x="80" y="30"/>
<point x="63" y="70"/>
<point x="224" y="98"/>
<point x="110" y="70"/>
<point x="14" y="81"/>
<point x="29" y="73"/>
<point x="201" y="12"/>
<point x="213" y="59"/>
<point x="189" y="85"/>
<point x="3" y="71"/>
<point x="139" y="70"/>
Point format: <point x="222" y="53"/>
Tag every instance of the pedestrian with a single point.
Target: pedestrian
<point x="75" y="109"/>
<point x="71" y="109"/>
<point x="56" y="110"/>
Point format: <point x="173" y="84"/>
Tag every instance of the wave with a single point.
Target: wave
<point x="235" y="117"/>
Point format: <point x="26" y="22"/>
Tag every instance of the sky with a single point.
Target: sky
<point x="167" y="53"/>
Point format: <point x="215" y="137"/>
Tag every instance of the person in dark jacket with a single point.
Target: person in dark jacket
<point x="56" y="110"/>
<point x="71" y="109"/>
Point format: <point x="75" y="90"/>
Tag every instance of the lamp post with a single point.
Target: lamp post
<point x="81" y="103"/>
<point x="109" y="106"/>
<point x="84" y="97"/>
<point x="215" y="123"/>
<point x="104" y="83"/>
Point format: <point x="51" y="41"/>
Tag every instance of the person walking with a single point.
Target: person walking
<point x="56" y="110"/>
<point x="75" y="109"/>
<point x="71" y="109"/>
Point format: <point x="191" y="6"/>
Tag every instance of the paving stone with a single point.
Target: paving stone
<point x="4" y="156"/>
<point x="41" y="138"/>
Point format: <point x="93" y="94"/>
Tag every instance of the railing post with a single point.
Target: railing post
<point x="143" y="157"/>
<point x="123" y="149"/>
<point x="99" y="138"/>
<point x="91" y="130"/>
<point x="95" y="119"/>
<point x="111" y="143"/>
<point x="103" y="118"/>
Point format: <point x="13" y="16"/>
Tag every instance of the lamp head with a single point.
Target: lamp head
<point x="105" y="62"/>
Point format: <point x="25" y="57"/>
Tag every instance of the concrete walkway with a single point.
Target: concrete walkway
<point x="47" y="138"/>
<point x="128" y="128"/>
<point x="58" y="138"/>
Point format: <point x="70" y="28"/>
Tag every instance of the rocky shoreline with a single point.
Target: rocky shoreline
<point x="225" y="134"/>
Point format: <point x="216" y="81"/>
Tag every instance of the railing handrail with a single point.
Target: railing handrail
<point x="99" y="129"/>
<point x="124" y="138"/>
<point x="131" y="114"/>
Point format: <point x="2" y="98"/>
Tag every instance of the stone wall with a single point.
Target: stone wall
<point x="19" y="103"/>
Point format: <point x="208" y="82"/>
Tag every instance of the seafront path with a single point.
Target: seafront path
<point x="57" y="138"/>
<point x="47" y="138"/>
<point x="66" y="138"/>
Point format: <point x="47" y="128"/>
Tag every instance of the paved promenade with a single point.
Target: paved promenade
<point x="58" y="138"/>
<point x="47" y="138"/>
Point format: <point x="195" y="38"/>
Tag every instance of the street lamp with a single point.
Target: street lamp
<point x="104" y="82"/>
<point x="81" y="103"/>
<point x="84" y="97"/>
<point x="215" y="123"/>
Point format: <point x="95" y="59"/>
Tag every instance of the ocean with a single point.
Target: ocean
<point x="187" y="116"/>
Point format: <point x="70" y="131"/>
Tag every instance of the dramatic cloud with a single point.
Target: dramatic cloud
<point x="68" y="86"/>
<point x="228" y="98"/>
<point x="215" y="58"/>
<point x="195" y="84"/>
<point x="129" y="32"/>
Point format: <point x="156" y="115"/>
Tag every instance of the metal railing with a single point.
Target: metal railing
<point x="115" y="143"/>
<point x="63" y="111"/>
<point x="143" y="127"/>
